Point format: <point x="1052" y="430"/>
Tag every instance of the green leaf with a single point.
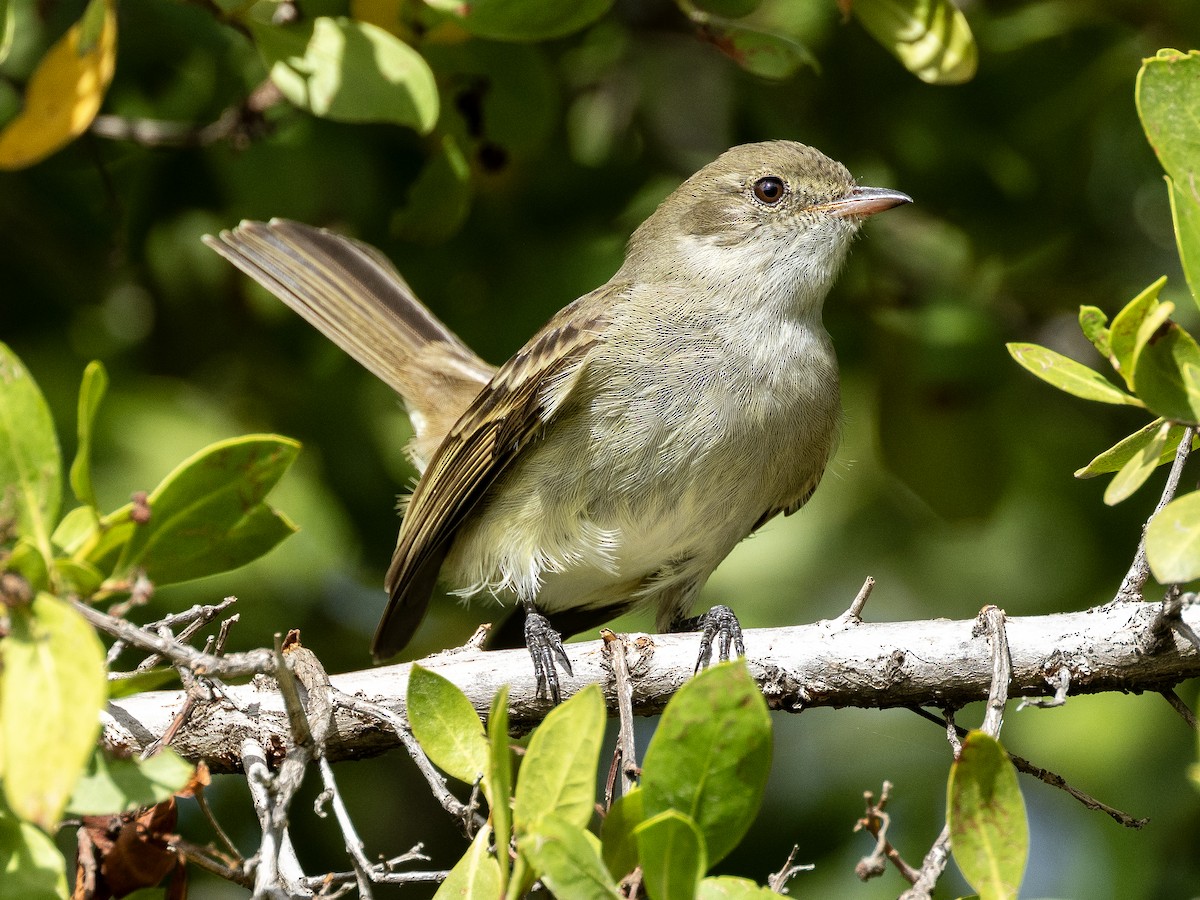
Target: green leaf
<point x="74" y="529"/>
<point x="31" y="867"/>
<point x="522" y="20"/>
<point x="710" y="756"/>
<point x="1167" y="373"/>
<point x="349" y="71"/>
<point x="30" y="464"/>
<point x="931" y="38"/>
<point x="76" y="577"/>
<point x="498" y="784"/>
<point x="446" y="725"/>
<point x="91" y="392"/>
<point x="1094" y="325"/>
<point x="8" y="27"/>
<point x="1067" y="375"/>
<point x="148" y="680"/>
<point x="1168" y="94"/>
<point x="671" y="850"/>
<point x="727" y="887"/>
<point x="53" y="674"/>
<point x="1173" y="541"/>
<point x="474" y="877"/>
<point x="29" y="562"/>
<point x="1125" y="326"/>
<point x="1112" y="459"/>
<point x="616" y="834"/>
<point x="439" y="200"/>
<point x="1139" y="467"/>
<point x="558" y="774"/>
<point x="123" y="785"/>
<point x="760" y="51"/>
<point x="207" y="516"/>
<point x="989" y="833"/>
<point x="566" y="858"/>
<point x="1185" y="216"/>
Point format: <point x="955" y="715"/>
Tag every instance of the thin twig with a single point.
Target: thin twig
<point x="625" y="753"/>
<point x="854" y="613"/>
<point x="237" y="665"/>
<point x="1180" y="707"/>
<point x="399" y="725"/>
<point x="200" y="612"/>
<point x="876" y="821"/>
<point x="1130" y="590"/>
<point x="992" y="621"/>
<point x="931" y="868"/>
<point x="1046" y="776"/>
<point x="278" y="872"/>
<point x="777" y="882"/>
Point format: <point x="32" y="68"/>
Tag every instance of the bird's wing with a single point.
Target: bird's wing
<point x="512" y="410"/>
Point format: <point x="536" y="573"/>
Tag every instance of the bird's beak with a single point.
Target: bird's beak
<point x="865" y="201"/>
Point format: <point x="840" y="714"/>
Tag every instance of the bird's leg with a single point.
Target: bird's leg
<point x="544" y="645"/>
<point x="718" y="623"/>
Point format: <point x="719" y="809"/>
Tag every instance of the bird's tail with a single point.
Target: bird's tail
<point x="354" y="296"/>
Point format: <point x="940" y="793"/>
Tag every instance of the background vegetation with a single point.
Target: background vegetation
<point x="1035" y="192"/>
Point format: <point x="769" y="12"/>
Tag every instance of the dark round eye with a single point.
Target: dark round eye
<point x="769" y="190"/>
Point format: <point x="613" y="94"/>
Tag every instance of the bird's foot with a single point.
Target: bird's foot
<point x="719" y="624"/>
<point x="545" y="645"/>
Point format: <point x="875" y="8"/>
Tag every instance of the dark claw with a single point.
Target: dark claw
<point x="719" y="622"/>
<point x="545" y="645"/>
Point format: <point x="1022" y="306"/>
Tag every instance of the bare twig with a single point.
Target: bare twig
<point x="854" y="613"/>
<point x="203" y="613"/>
<point x="1061" y="682"/>
<point x="876" y="822"/>
<point x="1130" y="590"/>
<point x="931" y="868"/>
<point x="777" y="882"/>
<point x="277" y="872"/>
<point x="992" y="622"/>
<point x="1180" y="707"/>
<point x="253" y="662"/>
<point x="625" y="753"/>
<point x="240" y="125"/>
<point x="399" y="726"/>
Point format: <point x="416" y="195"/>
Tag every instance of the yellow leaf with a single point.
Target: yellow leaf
<point x="66" y="90"/>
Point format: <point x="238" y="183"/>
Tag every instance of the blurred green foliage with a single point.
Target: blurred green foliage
<point x="1036" y="193"/>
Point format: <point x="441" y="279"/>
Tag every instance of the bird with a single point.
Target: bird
<point x="646" y="429"/>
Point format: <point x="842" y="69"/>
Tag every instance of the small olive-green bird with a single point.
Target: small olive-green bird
<point x="646" y="429"/>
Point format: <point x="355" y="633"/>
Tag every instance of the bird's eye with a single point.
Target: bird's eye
<point x="769" y="190"/>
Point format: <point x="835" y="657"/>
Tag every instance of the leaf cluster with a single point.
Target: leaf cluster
<point x="207" y="516"/>
<point x="1156" y="359"/>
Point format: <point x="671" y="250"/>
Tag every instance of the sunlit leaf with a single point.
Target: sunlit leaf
<point x="566" y="858"/>
<point x="123" y="785"/>
<point x="65" y="92"/>
<point x="1185" y="216"/>
<point x="8" y="27"/>
<point x="931" y="38"/>
<point x="672" y="854"/>
<point x="1094" y="324"/>
<point x="474" y="877"/>
<point x="727" y="887"/>
<point x="985" y="811"/>
<point x="349" y="71"/>
<point x="1126" y="324"/>
<point x="558" y="773"/>
<point x="1067" y="375"/>
<point x="768" y="54"/>
<point x="1167" y="374"/>
<point x="91" y="392"/>
<point x="147" y="680"/>
<point x="1173" y="541"/>
<point x="1168" y="94"/>
<point x="710" y="756"/>
<point x="207" y="516"/>
<point x="31" y="866"/>
<point x="498" y="783"/>
<point x="30" y="464"/>
<point x="523" y="20"/>
<point x="53" y="674"/>
<point x="446" y="725"/>
<point x="1112" y="459"/>
<point x="1139" y="467"/>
